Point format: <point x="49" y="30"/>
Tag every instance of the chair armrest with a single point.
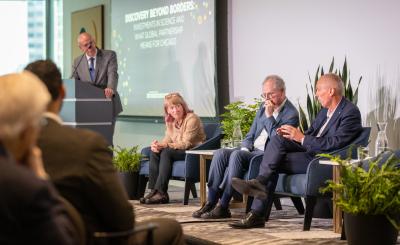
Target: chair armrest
<point x="210" y="144"/>
<point x="254" y="167"/>
<point x="150" y="227"/>
<point x="317" y="175"/>
<point x="192" y="160"/>
<point x="146" y="151"/>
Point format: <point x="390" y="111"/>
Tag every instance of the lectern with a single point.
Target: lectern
<point x="85" y="106"/>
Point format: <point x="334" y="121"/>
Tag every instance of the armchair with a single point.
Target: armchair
<point x="187" y="170"/>
<point x="307" y="185"/>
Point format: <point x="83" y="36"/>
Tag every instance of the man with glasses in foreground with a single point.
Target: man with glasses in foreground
<point x="276" y="110"/>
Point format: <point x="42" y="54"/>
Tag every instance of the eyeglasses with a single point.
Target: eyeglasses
<point x="268" y="95"/>
<point x="170" y="95"/>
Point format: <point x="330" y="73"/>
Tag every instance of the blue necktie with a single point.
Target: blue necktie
<point x="91" y="68"/>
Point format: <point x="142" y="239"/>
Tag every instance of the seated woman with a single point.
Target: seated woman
<point x="184" y="130"/>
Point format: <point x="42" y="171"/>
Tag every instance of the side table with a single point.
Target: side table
<point x="203" y="155"/>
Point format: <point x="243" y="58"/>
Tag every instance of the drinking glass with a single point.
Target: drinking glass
<point x="226" y="143"/>
<point x="362" y="153"/>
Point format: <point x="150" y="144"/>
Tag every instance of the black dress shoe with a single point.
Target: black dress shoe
<point x="206" y="208"/>
<point x="217" y="213"/>
<point x="142" y="200"/>
<point x="252" y="220"/>
<point x="251" y="187"/>
<point x="158" y="198"/>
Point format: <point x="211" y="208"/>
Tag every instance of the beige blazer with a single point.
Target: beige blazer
<point x="188" y="135"/>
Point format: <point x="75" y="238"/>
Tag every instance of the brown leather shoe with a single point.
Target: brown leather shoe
<point x="142" y="200"/>
<point x="158" y="198"/>
<point x="217" y="213"/>
<point x="252" y="220"/>
<point x="206" y="208"/>
<point x="251" y="187"/>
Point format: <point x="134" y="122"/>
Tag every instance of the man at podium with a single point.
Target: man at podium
<point x="98" y="67"/>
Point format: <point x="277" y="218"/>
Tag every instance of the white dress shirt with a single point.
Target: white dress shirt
<point x="260" y="141"/>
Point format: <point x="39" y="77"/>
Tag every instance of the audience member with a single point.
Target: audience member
<point x="184" y="130"/>
<point x="276" y="111"/>
<point x="30" y="211"/>
<point x="80" y="165"/>
<point x="335" y="126"/>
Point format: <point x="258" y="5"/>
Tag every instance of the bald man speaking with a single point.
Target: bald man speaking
<point x="100" y="68"/>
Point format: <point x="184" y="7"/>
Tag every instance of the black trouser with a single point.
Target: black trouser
<point x="160" y="168"/>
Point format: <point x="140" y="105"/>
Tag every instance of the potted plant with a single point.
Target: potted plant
<point x="313" y="105"/>
<point x="238" y="112"/>
<point x="127" y="162"/>
<point x="369" y="195"/>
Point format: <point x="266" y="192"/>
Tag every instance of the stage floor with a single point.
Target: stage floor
<point x="284" y="226"/>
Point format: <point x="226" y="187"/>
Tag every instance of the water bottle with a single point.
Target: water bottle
<point x="237" y="136"/>
<point x="381" y="143"/>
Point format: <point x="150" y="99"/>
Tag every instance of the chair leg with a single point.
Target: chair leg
<point x="188" y="186"/>
<point x="298" y="204"/>
<point x="277" y="203"/>
<point x="142" y="185"/>
<point x="193" y="190"/>
<point x="270" y="201"/>
<point x="310" y="204"/>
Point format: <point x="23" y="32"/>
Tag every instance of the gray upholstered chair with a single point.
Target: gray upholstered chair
<point x="307" y="185"/>
<point x="187" y="170"/>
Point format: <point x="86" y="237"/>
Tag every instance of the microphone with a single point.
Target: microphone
<point x="80" y="60"/>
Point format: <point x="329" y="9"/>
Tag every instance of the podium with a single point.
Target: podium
<point x="85" y="106"/>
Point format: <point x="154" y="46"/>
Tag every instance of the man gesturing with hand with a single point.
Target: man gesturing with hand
<point x="290" y="151"/>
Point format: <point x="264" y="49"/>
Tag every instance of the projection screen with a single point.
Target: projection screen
<point x="164" y="46"/>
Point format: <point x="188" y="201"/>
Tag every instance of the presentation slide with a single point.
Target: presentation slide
<point x="164" y="46"/>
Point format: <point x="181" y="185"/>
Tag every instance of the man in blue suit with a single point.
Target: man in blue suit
<point x="290" y="151"/>
<point x="276" y="110"/>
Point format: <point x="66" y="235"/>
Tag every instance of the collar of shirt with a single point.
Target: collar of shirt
<point x="53" y="116"/>
<point x="329" y="114"/>
<point x="277" y="110"/>
<point x="88" y="57"/>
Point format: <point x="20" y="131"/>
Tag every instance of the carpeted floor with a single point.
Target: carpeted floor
<point x="284" y="226"/>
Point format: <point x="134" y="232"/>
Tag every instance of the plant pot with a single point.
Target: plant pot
<point x="130" y="181"/>
<point x="369" y="229"/>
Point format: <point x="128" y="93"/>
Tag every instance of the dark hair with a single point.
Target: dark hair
<point x="47" y="71"/>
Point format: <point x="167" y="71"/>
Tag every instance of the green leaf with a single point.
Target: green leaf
<point x="372" y="192"/>
<point x="238" y="111"/>
<point x="355" y="97"/>
<point x="312" y="104"/>
<point x="303" y="120"/>
<point x="344" y="72"/>
<point x="126" y="159"/>
<point x="332" y="64"/>
<point x="315" y="80"/>
<point x="349" y="92"/>
<point x="309" y="108"/>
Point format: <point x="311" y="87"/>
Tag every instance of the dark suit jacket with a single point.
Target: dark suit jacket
<point x="106" y="73"/>
<point x="30" y="212"/>
<point x="287" y="115"/>
<point x="80" y="165"/>
<point x="342" y="128"/>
